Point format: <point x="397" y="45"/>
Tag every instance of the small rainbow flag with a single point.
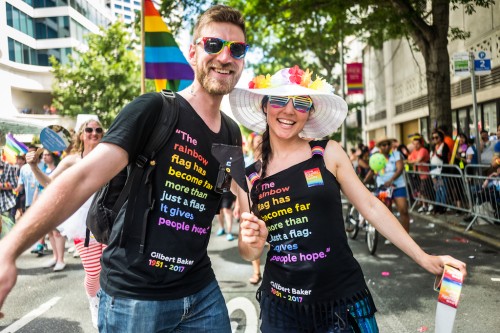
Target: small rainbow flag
<point x="12" y="149"/>
<point x="164" y="61"/>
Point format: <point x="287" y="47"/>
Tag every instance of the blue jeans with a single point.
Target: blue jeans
<point x="204" y="312"/>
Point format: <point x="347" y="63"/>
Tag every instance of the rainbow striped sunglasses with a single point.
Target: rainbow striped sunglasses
<point x="214" y="45"/>
<point x="300" y="103"/>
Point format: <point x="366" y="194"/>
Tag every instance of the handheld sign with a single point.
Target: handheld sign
<point x="55" y="138"/>
<point x="450" y="287"/>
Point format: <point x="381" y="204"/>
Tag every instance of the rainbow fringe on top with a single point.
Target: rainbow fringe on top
<point x="164" y="61"/>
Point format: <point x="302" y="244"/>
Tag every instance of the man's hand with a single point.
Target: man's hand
<point x="253" y="231"/>
<point x="8" y="277"/>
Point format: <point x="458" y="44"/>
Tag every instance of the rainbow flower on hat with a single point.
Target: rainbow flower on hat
<point x="329" y="111"/>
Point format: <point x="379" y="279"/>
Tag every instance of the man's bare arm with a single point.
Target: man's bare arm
<point x="64" y="196"/>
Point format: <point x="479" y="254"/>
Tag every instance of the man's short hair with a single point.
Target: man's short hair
<point x="219" y="14"/>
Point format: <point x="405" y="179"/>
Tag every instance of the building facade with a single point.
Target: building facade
<point x="32" y="32"/>
<point x="125" y="9"/>
<point x="396" y="89"/>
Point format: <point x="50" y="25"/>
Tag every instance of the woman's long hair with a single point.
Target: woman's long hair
<point x="78" y="146"/>
<point x="265" y="156"/>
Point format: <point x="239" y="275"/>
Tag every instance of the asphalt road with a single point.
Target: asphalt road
<point x="44" y="301"/>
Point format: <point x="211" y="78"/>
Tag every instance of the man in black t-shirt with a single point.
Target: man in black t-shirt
<point x="170" y="286"/>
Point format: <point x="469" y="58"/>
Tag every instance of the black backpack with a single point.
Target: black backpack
<point x="110" y="198"/>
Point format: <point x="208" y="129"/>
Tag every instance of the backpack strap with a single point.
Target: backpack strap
<point x="145" y="164"/>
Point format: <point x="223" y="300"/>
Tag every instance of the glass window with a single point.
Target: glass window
<point x="64" y="29"/>
<point x="18" y="55"/>
<point x="490" y="117"/>
<point x="15" y="19"/>
<point x="26" y="54"/>
<point x="30" y="30"/>
<point x="33" y="57"/>
<point x="12" y="55"/>
<point x="118" y="6"/>
<point x="9" y="15"/>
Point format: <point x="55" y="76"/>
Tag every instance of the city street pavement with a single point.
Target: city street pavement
<point x="43" y="301"/>
<point x="481" y="230"/>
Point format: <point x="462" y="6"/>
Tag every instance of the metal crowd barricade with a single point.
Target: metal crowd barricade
<point x="442" y="187"/>
<point x="484" y="192"/>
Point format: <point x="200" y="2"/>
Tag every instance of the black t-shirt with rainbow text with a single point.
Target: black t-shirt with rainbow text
<point x="175" y="262"/>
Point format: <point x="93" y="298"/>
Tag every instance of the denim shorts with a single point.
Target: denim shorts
<point x="399" y="192"/>
<point x="204" y="311"/>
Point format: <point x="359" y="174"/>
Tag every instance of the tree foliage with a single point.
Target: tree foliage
<point x="305" y="33"/>
<point x="308" y="32"/>
<point x="101" y="79"/>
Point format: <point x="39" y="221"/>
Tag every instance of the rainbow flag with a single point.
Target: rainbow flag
<point x="164" y="61"/>
<point x="12" y="149"/>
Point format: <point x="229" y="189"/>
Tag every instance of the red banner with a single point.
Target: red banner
<point x="354" y="73"/>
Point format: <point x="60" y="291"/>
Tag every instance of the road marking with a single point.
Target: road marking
<point x="17" y="325"/>
<point x="244" y="304"/>
<point x="388" y="256"/>
<point x="495" y="279"/>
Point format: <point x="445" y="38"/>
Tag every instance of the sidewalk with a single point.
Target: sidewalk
<point x="480" y="231"/>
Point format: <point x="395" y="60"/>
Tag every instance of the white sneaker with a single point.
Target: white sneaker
<point x="76" y="254"/>
<point x="59" y="266"/>
<point x="94" y="310"/>
<point x="50" y="263"/>
<point x="431" y="208"/>
<point x="71" y="249"/>
<point x="422" y="209"/>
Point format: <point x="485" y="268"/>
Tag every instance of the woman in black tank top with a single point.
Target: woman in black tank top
<point x="311" y="283"/>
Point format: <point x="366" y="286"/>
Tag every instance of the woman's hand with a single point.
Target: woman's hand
<point x="435" y="264"/>
<point x="253" y="231"/>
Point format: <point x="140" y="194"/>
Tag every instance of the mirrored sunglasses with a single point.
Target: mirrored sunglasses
<point x="98" y="130"/>
<point x="300" y="103"/>
<point x="214" y="45"/>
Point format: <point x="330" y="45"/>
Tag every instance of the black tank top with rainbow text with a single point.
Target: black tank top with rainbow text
<point x="309" y="262"/>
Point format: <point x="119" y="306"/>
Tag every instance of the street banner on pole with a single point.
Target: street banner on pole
<point x="354" y="73"/>
<point x="460" y="63"/>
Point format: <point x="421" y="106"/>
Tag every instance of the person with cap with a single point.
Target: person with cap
<point x="392" y="176"/>
<point x="311" y="280"/>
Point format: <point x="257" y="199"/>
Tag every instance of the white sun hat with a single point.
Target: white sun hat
<point x="329" y="110"/>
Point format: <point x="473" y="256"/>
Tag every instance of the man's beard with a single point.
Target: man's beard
<point x="214" y="86"/>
